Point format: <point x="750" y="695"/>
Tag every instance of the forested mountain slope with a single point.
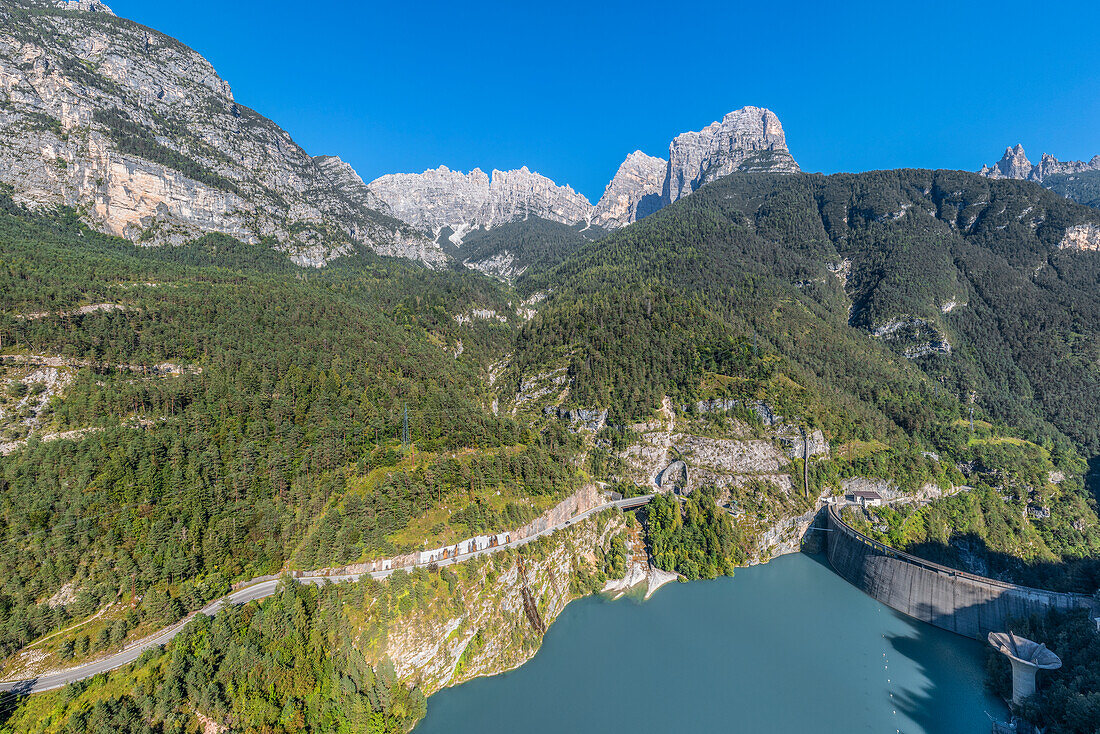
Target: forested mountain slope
<point x="509" y="250"/>
<point x="179" y="418"/>
<point x="870" y="283"/>
<point x="1082" y="187"/>
<point x="175" y="419"/>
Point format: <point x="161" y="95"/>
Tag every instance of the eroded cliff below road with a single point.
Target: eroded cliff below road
<point x="485" y="616"/>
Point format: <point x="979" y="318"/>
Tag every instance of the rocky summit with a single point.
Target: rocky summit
<point x="452" y="203"/>
<point x="748" y="139"/>
<point x="442" y="199"/>
<point x="634" y="192"/>
<point x="140" y="134"/>
<point x="1015" y="164"/>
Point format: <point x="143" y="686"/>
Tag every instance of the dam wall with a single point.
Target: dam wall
<point x="945" y="597"/>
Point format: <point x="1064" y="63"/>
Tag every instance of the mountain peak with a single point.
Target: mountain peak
<point x="1015" y="164"/>
<point x="633" y="193"/>
<point x="88" y="6"/>
<point x="748" y="139"/>
<point x="442" y="199"/>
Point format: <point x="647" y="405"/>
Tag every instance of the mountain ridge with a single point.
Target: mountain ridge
<point x="140" y="133"/>
<point x="1015" y="164"/>
<point x="439" y="199"/>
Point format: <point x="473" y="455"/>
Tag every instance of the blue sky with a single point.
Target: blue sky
<point x="569" y="88"/>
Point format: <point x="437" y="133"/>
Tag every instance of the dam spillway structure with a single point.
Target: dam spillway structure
<point x="1027" y="658"/>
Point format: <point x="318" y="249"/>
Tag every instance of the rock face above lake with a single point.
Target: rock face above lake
<point x="137" y="130"/>
<point x="441" y="199"/>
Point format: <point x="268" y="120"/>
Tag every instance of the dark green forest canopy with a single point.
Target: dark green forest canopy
<point x="809" y="265"/>
<point x="1083" y="187"/>
<point x="290" y="665"/>
<point x="248" y="412"/>
<point x="535" y="243"/>
<point x="284" y="385"/>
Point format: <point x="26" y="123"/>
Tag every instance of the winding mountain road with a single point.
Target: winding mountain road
<point x="262" y="590"/>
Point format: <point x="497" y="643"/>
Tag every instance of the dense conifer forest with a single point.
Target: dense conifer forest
<point x="224" y="413"/>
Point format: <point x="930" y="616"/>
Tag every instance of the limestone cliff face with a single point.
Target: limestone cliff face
<point x="485" y="626"/>
<point x="442" y="198"/>
<point x="633" y="193"/>
<point x="344" y="178"/>
<point x="1015" y="164"/>
<point x="138" y="131"/>
<point x="748" y="139"/>
<point x="1081" y="237"/>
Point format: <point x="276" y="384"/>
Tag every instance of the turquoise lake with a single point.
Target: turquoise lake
<point x="784" y="647"/>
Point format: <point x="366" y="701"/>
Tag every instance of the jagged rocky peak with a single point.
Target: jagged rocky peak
<point x="139" y="131"/>
<point x="89" y="6"/>
<point x="1015" y="164"/>
<point x="748" y="139"/>
<point x="340" y="173"/>
<point x="440" y="198"/>
<point x="633" y="193"/>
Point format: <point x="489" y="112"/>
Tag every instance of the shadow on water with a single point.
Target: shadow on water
<point x="928" y="648"/>
<point x="819" y="558"/>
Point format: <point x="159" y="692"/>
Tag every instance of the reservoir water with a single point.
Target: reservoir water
<point x="784" y="647"/>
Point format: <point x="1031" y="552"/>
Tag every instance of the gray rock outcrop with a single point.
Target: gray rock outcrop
<point x="674" y="478"/>
<point x="344" y="178"/>
<point x="748" y="139"/>
<point x="633" y="193"/>
<point x="1081" y="237"/>
<point x="440" y="199"/>
<point x="1015" y="164"/>
<point x="137" y="130"/>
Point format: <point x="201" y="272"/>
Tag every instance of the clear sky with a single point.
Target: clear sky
<point x="569" y="88"/>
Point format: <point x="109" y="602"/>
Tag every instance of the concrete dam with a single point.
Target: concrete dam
<point x="945" y="597"/>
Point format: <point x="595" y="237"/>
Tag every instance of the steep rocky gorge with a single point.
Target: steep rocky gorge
<point x="489" y="614"/>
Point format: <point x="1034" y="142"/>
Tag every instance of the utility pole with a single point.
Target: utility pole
<point x="405" y="427"/>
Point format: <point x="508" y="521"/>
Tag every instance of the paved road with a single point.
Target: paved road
<point x="261" y="590"/>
